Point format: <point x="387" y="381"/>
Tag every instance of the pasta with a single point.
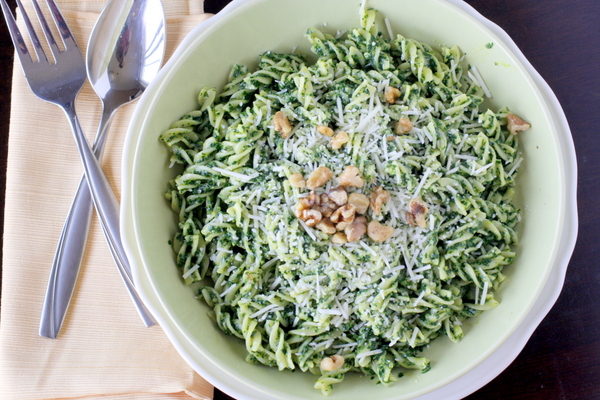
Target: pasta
<point x="393" y="122"/>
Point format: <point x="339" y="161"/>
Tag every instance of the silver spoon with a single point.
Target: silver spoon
<point x="125" y="52"/>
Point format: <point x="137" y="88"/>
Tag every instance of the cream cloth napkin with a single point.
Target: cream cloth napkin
<point x="103" y="350"/>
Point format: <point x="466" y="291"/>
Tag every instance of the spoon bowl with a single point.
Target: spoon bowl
<point x="121" y="66"/>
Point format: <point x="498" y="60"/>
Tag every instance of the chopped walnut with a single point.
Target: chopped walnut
<point x="417" y="213"/>
<point x="300" y="206"/>
<point x="282" y="124"/>
<point x="360" y="201"/>
<point x="343" y="213"/>
<point x="392" y="94"/>
<point x="339" y="238"/>
<point x="325" y="130"/>
<point x="332" y="363"/>
<point x="327" y="206"/>
<point x="343" y="216"/>
<point x="310" y="217"/>
<point x="339" y="195"/>
<point x="313" y="199"/>
<point x="410" y="219"/>
<point x="339" y="140"/>
<point x="379" y="196"/>
<point x="326" y="226"/>
<point x="339" y="214"/>
<point x="378" y="232"/>
<point x="516" y="124"/>
<point x="297" y="180"/>
<point x="318" y="177"/>
<point x="351" y="177"/>
<point x="404" y="125"/>
<point x="356" y="229"/>
<point x="341" y="226"/>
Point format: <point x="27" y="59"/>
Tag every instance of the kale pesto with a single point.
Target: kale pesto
<point x="292" y="295"/>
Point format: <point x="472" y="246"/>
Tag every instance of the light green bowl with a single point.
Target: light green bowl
<point x="546" y="193"/>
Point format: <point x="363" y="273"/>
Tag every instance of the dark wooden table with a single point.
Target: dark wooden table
<point x="562" y="41"/>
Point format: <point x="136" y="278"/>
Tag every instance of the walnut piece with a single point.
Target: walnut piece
<point x="332" y="363"/>
<point x="312" y="200"/>
<point x="311" y="217"/>
<point x="340" y="214"/>
<point x="343" y="216"/>
<point x="392" y="94"/>
<point x="516" y="124"/>
<point x="351" y="177"/>
<point x="339" y="238"/>
<point x="325" y="130"/>
<point x="378" y="232"/>
<point x="326" y="226"/>
<point x="339" y="140"/>
<point x="417" y="213"/>
<point x="404" y="125"/>
<point x="297" y="180"/>
<point x="339" y="195"/>
<point x="282" y="124"/>
<point x="327" y="206"/>
<point x="379" y="196"/>
<point x="356" y="229"/>
<point x="360" y="201"/>
<point x="318" y="177"/>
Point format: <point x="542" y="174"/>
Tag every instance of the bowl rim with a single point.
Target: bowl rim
<point x="548" y="292"/>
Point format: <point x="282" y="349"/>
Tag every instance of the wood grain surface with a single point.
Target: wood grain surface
<point x="562" y="41"/>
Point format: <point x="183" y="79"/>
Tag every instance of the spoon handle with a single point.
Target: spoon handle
<point x="71" y="248"/>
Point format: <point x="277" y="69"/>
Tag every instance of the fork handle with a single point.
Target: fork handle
<point x="71" y="247"/>
<point x="66" y="263"/>
<point x="107" y="207"/>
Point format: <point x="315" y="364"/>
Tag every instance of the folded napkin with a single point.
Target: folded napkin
<point x="103" y="350"/>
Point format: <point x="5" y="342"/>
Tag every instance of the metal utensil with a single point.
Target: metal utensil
<point x="125" y="52"/>
<point x="59" y="83"/>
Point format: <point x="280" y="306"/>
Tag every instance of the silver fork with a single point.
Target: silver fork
<point x="60" y="83"/>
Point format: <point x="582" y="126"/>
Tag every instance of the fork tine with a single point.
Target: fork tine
<point x="37" y="46"/>
<point x="46" y="28"/>
<point x="15" y="34"/>
<point x="63" y="28"/>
